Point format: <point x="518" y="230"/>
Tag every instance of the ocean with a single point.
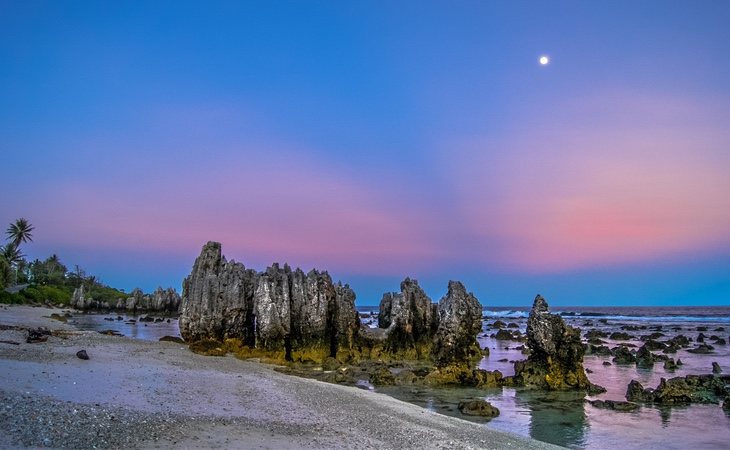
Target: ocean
<point x="567" y="419"/>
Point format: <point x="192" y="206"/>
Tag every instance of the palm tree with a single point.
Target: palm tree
<point x="12" y="254"/>
<point x="20" y="231"/>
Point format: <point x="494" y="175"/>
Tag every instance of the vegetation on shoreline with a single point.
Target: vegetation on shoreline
<point x="47" y="281"/>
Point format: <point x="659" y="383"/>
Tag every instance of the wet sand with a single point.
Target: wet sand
<point x="142" y="394"/>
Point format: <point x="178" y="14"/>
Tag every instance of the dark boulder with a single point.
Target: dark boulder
<point x="382" y="376"/>
<point x="681" y="390"/>
<point x="644" y="358"/>
<point x="622" y="355"/>
<point x="716" y="367"/>
<point x="36" y="335"/>
<point x="637" y="393"/>
<point x="615" y="405"/>
<point x="503" y="335"/>
<point x="175" y="339"/>
<point x="478" y="407"/>
<point x="81" y="354"/>
<point x="620" y="336"/>
<point x="702" y="349"/>
<point x="670" y="364"/>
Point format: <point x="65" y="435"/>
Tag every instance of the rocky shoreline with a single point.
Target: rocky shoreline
<point x="141" y="394"/>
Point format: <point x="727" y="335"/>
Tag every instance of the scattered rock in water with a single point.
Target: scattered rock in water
<point x="653" y="345"/>
<point x="595" y="334"/>
<point x="716" y="367"/>
<point x="146" y="319"/>
<point x="606" y="363"/>
<point x="681" y="390"/>
<point x="622" y="355"/>
<point x="498" y="324"/>
<point x="382" y="376"/>
<point x="556" y="359"/>
<point x="701" y="338"/>
<point x="512" y="325"/>
<point x="59" y="317"/>
<point x="719" y="329"/>
<point x="620" y="336"/>
<point x="701" y="328"/>
<point x="669" y="364"/>
<point x="644" y="358"/>
<point x="406" y="377"/>
<point x="81" y="354"/>
<point x="599" y="350"/>
<point x="37" y="335"/>
<point x="120" y="318"/>
<point x="478" y="407"/>
<point x="503" y="335"/>
<point x="175" y="339"/>
<point x="208" y="347"/>
<point x="109" y="319"/>
<point x="463" y="376"/>
<point x="720" y="341"/>
<point x="330" y="363"/>
<point x="652" y="337"/>
<point x="615" y="405"/>
<point x="110" y="333"/>
<point x="702" y="349"/>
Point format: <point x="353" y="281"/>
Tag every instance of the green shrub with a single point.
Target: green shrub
<point x="11" y="299"/>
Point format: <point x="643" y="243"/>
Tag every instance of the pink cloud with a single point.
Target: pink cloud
<point x="266" y="205"/>
<point x="632" y="179"/>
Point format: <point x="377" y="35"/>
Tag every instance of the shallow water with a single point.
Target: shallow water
<point x="566" y="419"/>
<point x="129" y="326"/>
<point x="560" y="418"/>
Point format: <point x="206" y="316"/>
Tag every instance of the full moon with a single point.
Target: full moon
<point x="544" y="60"/>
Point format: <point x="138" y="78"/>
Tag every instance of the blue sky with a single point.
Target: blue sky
<point x="378" y="140"/>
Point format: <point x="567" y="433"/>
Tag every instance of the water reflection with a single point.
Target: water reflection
<point x="555" y="417"/>
<point x="128" y="325"/>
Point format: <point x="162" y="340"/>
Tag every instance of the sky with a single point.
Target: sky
<point x="378" y="140"/>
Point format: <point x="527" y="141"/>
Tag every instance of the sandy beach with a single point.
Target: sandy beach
<point x="141" y="394"/>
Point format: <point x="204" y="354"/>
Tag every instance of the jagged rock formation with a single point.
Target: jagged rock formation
<point x="284" y="312"/>
<point x="162" y="300"/>
<point x="217" y="299"/>
<point x="556" y="359"/>
<point x="682" y="390"/>
<point x="410" y="319"/>
<point x="460" y="320"/>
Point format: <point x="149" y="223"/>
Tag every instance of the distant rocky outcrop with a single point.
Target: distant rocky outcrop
<point x="286" y="313"/>
<point x="556" y="358"/>
<point x="162" y="300"/>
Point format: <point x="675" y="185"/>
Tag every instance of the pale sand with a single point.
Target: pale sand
<point x="171" y="398"/>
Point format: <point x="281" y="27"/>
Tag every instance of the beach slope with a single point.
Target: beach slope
<point x="141" y="394"/>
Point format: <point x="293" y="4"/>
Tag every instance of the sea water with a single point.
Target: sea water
<point x="562" y="418"/>
<point x="566" y="418"/>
